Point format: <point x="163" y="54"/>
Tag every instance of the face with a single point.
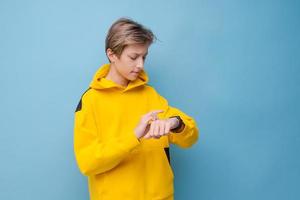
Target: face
<point x="131" y="61"/>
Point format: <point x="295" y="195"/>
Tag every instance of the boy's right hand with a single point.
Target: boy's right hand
<point x="144" y="124"/>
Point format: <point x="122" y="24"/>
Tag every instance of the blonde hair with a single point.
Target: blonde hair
<point x="124" y="32"/>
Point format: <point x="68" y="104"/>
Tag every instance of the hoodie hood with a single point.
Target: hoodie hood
<point x="100" y="82"/>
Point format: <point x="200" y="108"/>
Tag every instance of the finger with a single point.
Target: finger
<point x="150" y="119"/>
<point x="156" y="137"/>
<point x="167" y="128"/>
<point x="154" y="117"/>
<point x="156" y="128"/>
<point x="147" y="128"/>
<point x="156" y="111"/>
<point x="151" y="129"/>
<point x="147" y="136"/>
<point x="153" y="112"/>
<point x="162" y="128"/>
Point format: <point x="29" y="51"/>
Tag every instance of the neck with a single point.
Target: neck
<point x="116" y="77"/>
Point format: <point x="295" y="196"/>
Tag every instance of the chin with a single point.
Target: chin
<point x="131" y="78"/>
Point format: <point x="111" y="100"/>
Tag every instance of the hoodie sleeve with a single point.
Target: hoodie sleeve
<point x="188" y="134"/>
<point x="93" y="155"/>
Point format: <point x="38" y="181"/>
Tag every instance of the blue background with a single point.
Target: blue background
<point x="232" y="65"/>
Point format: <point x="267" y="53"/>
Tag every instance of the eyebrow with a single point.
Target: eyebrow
<point x="141" y="54"/>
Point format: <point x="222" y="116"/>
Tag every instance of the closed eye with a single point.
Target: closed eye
<point x="133" y="58"/>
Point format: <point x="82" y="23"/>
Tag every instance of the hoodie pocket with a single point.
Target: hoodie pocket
<point x="158" y="174"/>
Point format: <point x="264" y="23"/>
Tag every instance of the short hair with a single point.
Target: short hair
<point x="126" y="31"/>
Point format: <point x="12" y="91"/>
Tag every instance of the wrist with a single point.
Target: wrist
<point x="179" y="124"/>
<point x="174" y="122"/>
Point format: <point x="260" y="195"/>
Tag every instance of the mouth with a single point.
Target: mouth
<point x="136" y="73"/>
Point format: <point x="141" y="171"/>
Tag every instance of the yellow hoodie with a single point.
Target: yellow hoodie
<point x="117" y="164"/>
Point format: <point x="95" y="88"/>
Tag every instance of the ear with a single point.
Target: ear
<point x="111" y="55"/>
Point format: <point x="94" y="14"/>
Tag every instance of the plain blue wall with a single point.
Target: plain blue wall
<point x="232" y="65"/>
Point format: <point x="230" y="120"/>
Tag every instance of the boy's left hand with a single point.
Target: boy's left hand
<point x="161" y="127"/>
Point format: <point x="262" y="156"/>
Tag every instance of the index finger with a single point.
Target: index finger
<point x="156" y="111"/>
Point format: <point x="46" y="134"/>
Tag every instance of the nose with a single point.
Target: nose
<point x="140" y="64"/>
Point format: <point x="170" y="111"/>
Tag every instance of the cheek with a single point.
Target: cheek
<point x="126" y="67"/>
<point x="129" y="66"/>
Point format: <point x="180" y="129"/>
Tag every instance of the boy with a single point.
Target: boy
<point x="123" y="127"/>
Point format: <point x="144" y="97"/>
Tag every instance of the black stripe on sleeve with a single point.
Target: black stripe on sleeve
<point x="79" y="105"/>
